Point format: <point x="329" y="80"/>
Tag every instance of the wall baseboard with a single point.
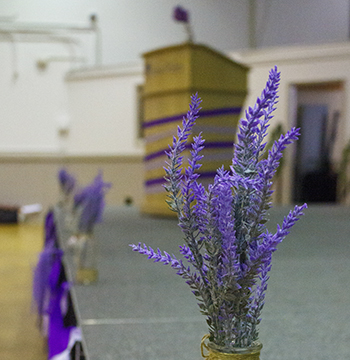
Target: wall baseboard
<point x="32" y="178"/>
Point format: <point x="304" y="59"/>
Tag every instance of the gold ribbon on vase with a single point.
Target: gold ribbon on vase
<point x="217" y="355"/>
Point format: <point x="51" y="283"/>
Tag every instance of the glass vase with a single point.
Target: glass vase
<point x="86" y="262"/>
<point x="211" y="352"/>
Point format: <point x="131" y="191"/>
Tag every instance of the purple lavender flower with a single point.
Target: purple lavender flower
<point x="227" y="245"/>
<point x="180" y="14"/>
<point x="67" y="181"/>
<point x="89" y="203"/>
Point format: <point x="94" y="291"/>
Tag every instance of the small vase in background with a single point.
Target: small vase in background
<point x="67" y="187"/>
<point x="87" y="210"/>
<point x="67" y="184"/>
<point x="86" y="259"/>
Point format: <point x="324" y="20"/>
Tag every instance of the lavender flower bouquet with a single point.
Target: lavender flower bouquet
<point x="227" y="245"/>
<point x="88" y="208"/>
<point x="67" y="183"/>
<point x="89" y="204"/>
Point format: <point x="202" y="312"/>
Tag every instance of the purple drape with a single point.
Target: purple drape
<point x="44" y="265"/>
<point x="50" y="294"/>
<point x="58" y="334"/>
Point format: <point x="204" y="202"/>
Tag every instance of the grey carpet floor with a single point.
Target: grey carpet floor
<point x="141" y="310"/>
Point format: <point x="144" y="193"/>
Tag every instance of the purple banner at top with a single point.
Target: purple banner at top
<point x="207" y="174"/>
<point x="203" y="113"/>
<point x="207" y="145"/>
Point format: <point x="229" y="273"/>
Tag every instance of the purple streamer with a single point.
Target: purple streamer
<point x="204" y="113"/>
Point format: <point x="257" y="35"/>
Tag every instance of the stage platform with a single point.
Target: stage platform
<point x="141" y="310"/>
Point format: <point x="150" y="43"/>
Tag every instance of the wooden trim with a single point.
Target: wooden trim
<point x="193" y="47"/>
<point x="92" y="73"/>
<point x="193" y="90"/>
<point x="56" y="158"/>
<point x="292" y="54"/>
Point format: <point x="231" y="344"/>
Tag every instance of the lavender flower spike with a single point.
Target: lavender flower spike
<point x="90" y="203"/>
<point x="174" y="165"/>
<point x="227" y="245"/>
<point x="67" y="181"/>
<point x="180" y="14"/>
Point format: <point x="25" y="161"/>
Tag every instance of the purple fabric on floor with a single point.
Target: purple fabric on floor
<point x="58" y="334"/>
<point x="50" y="292"/>
<point x="43" y="268"/>
<point x="50" y="228"/>
<point x="41" y="277"/>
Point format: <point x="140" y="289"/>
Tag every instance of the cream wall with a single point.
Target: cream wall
<point x="33" y="179"/>
<point x="51" y="112"/>
<point x="35" y="100"/>
<point x="98" y="132"/>
<point x="102" y="104"/>
<point x="45" y="111"/>
<point x="301" y="22"/>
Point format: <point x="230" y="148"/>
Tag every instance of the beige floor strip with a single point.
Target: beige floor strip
<point x="20" y="338"/>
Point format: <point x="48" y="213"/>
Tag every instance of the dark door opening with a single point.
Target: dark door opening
<point x="315" y="178"/>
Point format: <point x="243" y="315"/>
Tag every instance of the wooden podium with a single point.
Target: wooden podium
<point x="172" y="75"/>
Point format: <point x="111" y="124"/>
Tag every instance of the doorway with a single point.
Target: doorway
<point x="318" y="114"/>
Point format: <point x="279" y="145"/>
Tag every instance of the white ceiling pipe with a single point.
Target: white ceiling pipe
<point x="33" y="32"/>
